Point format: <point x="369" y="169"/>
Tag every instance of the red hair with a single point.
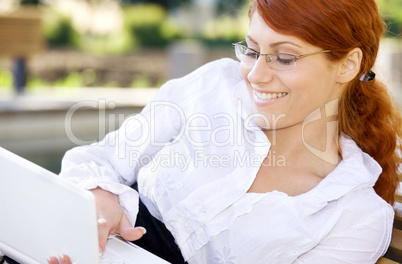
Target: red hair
<point x="366" y="112"/>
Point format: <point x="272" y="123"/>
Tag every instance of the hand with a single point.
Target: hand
<point x="111" y="220"/>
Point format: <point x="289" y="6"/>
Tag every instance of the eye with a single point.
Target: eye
<point x="285" y="59"/>
<point x="251" y="53"/>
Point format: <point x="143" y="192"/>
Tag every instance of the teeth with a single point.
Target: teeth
<point x="267" y="96"/>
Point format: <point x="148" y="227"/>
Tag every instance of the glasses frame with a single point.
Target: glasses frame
<point x="269" y="60"/>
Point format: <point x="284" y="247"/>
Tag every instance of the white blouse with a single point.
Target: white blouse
<point x="195" y="151"/>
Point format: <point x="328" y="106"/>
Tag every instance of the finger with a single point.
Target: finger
<point x="65" y="259"/>
<point x="52" y="260"/>
<point x="103" y="233"/>
<point x="128" y="232"/>
<point x="133" y="233"/>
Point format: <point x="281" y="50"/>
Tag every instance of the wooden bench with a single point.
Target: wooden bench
<point x="21" y="37"/>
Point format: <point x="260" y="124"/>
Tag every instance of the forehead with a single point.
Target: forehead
<point x="261" y="33"/>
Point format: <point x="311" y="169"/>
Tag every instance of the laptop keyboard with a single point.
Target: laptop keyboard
<point x="110" y="258"/>
<point x="119" y="251"/>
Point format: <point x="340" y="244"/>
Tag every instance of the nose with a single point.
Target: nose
<point x="260" y="72"/>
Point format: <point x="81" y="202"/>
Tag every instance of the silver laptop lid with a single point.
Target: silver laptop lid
<point x="41" y="215"/>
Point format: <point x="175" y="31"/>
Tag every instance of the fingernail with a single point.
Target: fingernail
<point x="144" y="231"/>
<point x="62" y="259"/>
<point x="52" y="260"/>
<point x="102" y="220"/>
<point x="100" y="252"/>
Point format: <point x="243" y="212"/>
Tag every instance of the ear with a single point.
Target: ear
<point x="350" y="66"/>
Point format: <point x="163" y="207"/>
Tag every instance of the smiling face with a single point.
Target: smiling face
<point x="286" y="98"/>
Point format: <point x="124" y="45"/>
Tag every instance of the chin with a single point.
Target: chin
<point x="267" y="121"/>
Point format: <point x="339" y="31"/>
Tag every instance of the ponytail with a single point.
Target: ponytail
<point x="370" y="118"/>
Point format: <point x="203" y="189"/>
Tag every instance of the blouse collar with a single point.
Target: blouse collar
<point x="357" y="170"/>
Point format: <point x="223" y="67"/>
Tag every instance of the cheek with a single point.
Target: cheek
<point x="244" y="71"/>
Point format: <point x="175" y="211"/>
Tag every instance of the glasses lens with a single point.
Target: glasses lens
<point x="277" y="61"/>
<point x="239" y="52"/>
<point x="282" y="62"/>
<point x="245" y="55"/>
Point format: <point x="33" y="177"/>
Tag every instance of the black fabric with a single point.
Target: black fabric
<point x="7" y="260"/>
<point x="158" y="238"/>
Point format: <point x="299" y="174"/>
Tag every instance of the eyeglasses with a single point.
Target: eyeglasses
<point x="275" y="60"/>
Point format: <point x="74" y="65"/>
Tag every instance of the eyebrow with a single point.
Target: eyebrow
<point x="273" y="45"/>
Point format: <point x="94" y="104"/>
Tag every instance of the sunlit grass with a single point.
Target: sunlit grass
<point x="140" y="82"/>
<point x="6" y="80"/>
<point x="74" y="80"/>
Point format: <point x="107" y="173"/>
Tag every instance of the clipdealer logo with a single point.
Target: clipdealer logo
<point x="235" y="130"/>
<point x="201" y="159"/>
<point x="331" y="111"/>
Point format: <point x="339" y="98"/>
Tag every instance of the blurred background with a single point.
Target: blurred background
<point x="72" y="70"/>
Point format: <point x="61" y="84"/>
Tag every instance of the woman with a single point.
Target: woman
<point x="291" y="160"/>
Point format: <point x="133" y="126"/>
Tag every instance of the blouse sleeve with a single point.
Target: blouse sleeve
<point x="362" y="242"/>
<point x="113" y="163"/>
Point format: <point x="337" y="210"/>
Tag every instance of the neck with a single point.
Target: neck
<point x="313" y="145"/>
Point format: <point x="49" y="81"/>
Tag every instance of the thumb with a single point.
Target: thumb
<point x="103" y="233"/>
<point x="128" y="232"/>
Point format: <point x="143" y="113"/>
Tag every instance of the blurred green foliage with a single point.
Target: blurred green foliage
<point x="30" y="2"/>
<point x="391" y="11"/>
<point x="223" y="6"/>
<point x="164" y="3"/>
<point x="117" y="43"/>
<point x="58" y="29"/>
<point x="226" y="30"/>
<point x="149" y="25"/>
<point x="145" y="25"/>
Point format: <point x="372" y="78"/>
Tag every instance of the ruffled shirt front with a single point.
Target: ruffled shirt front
<point x="195" y="151"/>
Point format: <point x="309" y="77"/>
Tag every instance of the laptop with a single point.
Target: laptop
<point x="42" y="215"/>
